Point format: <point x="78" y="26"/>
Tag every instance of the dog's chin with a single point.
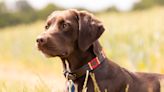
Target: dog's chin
<point x="51" y="54"/>
<point x="48" y="55"/>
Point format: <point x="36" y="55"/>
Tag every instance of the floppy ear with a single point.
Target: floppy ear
<point x="90" y="29"/>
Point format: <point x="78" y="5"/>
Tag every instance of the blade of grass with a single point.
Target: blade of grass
<point x="162" y="85"/>
<point x="96" y="87"/>
<point x="85" y="82"/>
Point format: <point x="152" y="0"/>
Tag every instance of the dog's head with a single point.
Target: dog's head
<point x="67" y="31"/>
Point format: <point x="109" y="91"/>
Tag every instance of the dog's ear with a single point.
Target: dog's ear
<point x="90" y="29"/>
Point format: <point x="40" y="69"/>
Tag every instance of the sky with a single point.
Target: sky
<point x="92" y="5"/>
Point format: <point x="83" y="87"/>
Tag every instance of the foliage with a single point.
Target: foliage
<point x="144" y="4"/>
<point x="27" y="14"/>
<point x="24" y="14"/>
<point x="42" y="14"/>
<point x="2" y="7"/>
<point x="23" y="6"/>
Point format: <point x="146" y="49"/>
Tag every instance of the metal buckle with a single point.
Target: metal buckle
<point x="94" y="63"/>
<point x="70" y="76"/>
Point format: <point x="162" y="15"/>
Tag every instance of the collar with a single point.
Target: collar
<point x="90" y="66"/>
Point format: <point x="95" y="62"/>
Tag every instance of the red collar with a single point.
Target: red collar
<point x="90" y="66"/>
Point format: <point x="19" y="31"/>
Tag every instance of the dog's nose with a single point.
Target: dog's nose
<point x="41" y="40"/>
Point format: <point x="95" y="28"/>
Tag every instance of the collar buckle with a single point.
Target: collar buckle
<point x="94" y="63"/>
<point x="70" y="76"/>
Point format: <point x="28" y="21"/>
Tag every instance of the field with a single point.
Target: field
<point x="134" y="40"/>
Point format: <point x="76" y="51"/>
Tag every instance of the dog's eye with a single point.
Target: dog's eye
<point x="65" y="25"/>
<point x="47" y="26"/>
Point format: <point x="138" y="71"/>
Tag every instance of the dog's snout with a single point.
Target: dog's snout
<point x="41" y="40"/>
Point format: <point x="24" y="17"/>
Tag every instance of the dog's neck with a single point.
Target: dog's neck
<point x="78" y="58"/>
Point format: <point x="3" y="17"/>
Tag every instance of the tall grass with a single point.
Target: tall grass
<point x="162" y="85"/>
<point x="134" y="40"/>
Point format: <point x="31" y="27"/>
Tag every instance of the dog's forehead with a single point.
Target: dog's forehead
<point x="59" y="14"/>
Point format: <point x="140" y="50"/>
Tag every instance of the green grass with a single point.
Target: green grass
<point x="133" y="40"/>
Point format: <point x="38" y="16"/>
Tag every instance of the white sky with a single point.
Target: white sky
<point x="93" y="5"/>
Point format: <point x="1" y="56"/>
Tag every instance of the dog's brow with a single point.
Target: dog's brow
<point x="50" y="19"/>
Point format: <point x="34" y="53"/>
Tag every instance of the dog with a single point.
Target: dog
<point x="73" y="36"/>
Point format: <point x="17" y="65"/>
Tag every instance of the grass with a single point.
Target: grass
<point x="162" y="85"/>
<point x="134" y="40"/>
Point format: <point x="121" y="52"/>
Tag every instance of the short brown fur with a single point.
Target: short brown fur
<point x="72" y="34"/>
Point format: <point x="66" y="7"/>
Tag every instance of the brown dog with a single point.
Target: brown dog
<point x="73" y="36"/>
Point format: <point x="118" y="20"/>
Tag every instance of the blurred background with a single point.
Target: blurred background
<point x="134" y="39"/>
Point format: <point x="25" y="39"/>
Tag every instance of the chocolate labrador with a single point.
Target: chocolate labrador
<point x="73" y="36"/>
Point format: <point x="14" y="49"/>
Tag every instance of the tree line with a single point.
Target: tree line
<point x="27" y="14"/>
<point x="24" y="13"/>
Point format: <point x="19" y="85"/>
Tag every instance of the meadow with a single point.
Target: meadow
<point x="134" y="40"/>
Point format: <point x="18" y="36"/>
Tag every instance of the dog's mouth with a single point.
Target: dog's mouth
<point x="46" y="52"/>
<point x="49" y="51"/>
